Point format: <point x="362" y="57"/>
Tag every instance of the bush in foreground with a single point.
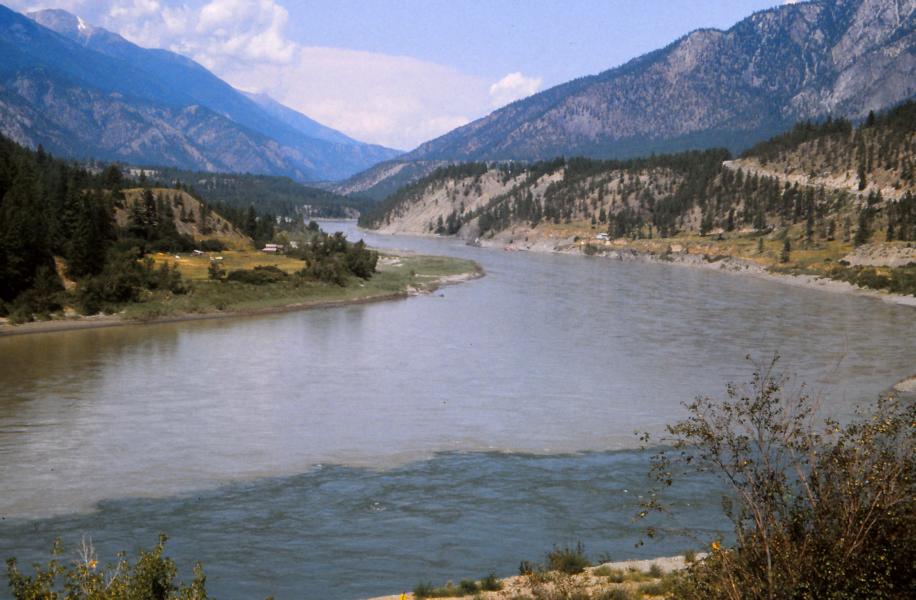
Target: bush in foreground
<point x="818" y="511"/>
<point x="151" y="577"/>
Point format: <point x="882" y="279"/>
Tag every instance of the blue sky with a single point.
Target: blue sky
<point x="399" y="72"/>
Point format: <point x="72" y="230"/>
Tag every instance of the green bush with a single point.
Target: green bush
<point x="490" y="583"/>
<point x="329" y="269"/>
<point x="151" y="577"/>
<point x="899" y="280"/>
<point x="211" y="245"/>
<point x="818" y="511"/>
<point x="423" y="590"/>
<point x="617" y="594"/>
<point x="567" y="559"/>
<point x="261" y="275"/>
<point x="123" y="279"/>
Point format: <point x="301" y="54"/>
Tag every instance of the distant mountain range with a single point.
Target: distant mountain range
<point x="711" y="88"/>
<point x="82" y="91"/>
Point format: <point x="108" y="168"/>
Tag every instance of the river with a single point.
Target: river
<point x="346" y="452"/>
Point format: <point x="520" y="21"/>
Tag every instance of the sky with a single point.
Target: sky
<point x="400" y="72"/>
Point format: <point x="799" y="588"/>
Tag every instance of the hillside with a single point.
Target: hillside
<point x="383" y="179"/>
<point x="711" y="88"/>
<point x="189" y="216"/>
<point x="821" y="190"/>
<point x="828" y="168"/>
<point x="81" y="91"/>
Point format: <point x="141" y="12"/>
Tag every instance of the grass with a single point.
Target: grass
<point x="467" y="587"/>
<point x="568" y="559"/>
<point x="194" y="267"/>
<point x="631" y="574"/>
<point x="395" y="275"/>
<point x="561" y="578"/>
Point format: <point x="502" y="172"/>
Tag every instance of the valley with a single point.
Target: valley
<point x="480" y="300"/>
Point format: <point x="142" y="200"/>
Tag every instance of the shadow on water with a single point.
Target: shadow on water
<point x="344" y="532"/>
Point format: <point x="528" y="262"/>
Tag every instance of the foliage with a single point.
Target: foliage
<point x="568" y="559"/>
<point x="123" y="279"/>
<point x="151" y="576"/>
<point x="467" y="587"/>
<point x="260" y="275"/>
<point x="899" y="280"/>
<point x="805" y="131"/>
<point x="215" y="271"/>
<point x="152" y="222"/>
<point x="818" y="511"/>
<point x="332" y="259"/>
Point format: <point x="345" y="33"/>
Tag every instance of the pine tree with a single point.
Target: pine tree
<point x="862" y="231"/>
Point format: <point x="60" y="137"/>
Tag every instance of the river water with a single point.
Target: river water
<point x="347" y="452"/>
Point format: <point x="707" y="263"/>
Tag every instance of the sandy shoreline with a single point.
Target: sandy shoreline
<point x="733" y="265"/>
<point x="104" y="321"/>
<point x="518" y="585"/>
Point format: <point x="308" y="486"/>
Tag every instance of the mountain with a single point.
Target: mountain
<point x="711" y="88"/>
<point x="298" y="121"/>
<point x="381" y="180"/>
<point x="82" y="91"/>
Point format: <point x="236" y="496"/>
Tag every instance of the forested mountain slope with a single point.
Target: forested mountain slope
<point x="818" y="174"/>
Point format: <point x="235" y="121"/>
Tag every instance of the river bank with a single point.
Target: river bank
<point x="637" y="578"/>
<point x="737" y="255"/>
<point x="399" y="276"/>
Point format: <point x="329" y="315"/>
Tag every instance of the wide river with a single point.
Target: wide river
<point x="348" y="452"/>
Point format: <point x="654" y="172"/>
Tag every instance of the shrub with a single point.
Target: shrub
<point x="817" y="512"/>
<point x="490" y="583"/>
<point x="616" y="594"/>
<point x="215" y="271"/>
<point x="423" y="590"/>
<point x="567" y="559"/>
<point x="899" y="280"/>
<point x="151" y="576"/>
<point x="211" y="245"/>
<point x="261" y="275"/>
<point x="330" y="269"/>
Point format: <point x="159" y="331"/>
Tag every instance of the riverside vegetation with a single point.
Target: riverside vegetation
<point x="798" y="203"/>
<point x="79" y="241"/>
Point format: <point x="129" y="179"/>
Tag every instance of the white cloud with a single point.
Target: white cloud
<point x="513" y="86"/>
<point x="397" y="101"/>
<point x="33" y="5"/>
<point x="393" y="100"/>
